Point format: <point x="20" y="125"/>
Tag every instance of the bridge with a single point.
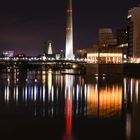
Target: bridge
<point x="42" y="63"/>
<point x="82" y="65"/>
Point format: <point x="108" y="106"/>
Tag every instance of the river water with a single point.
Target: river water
<point x="54" y="105"/>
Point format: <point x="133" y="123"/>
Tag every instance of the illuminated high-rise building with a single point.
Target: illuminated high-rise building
<point x="69" y="32"/>
<point x="134" y="32"/>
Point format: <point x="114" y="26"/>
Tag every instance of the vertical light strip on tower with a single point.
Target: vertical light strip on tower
<point x="69" y="32"/>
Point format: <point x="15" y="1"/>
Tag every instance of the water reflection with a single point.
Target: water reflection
<point x="128" y="126"/>
<point x="6" y="94"/>
<point x="132" y="103"/>
<point x="52" y="94"/>
<point x="69" y="79"/>
<point x="49" y="88"/>
<point x="105" y="102"/>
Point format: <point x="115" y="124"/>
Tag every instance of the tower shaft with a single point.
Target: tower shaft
<point x="69" y="32"/>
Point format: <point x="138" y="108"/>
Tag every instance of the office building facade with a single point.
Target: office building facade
<point x="106" y="38"/>
<point x="134" y="32"/>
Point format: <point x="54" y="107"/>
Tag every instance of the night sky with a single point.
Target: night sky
<point x="26" y="24"/>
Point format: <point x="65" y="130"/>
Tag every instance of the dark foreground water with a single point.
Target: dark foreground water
<point x="50" y="105"/>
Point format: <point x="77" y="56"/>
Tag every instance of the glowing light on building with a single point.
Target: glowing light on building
<point x="105" y="58"/>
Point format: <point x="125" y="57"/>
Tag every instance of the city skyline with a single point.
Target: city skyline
<point x="69" y="69"/>
<point x="26" y="25"/>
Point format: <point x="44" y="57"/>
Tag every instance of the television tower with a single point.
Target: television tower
<point x="69" y="32"/>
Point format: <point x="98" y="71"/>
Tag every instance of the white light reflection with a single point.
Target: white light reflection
<point x="17" y="94"/>
<point x="22" y="93"/>
<point x="85" y="94"/>
<point x="26" y="93"/>
<point x="125" y="88"/>
<point x="8" y="79"/>
<point x="77" y="92"/>
<point x="77" y="97"/>
<point x="35" y="93"/>
<point x="52" y="93"/>
<point x="81" y="92"/>
<point x="131" y="90"/>
<point x="96" y="88"/>
<point x="96" y="78"/>
<point x="137" y="91"/>
<point x="43" y="93"/>
<point x="6" y="94"/>
<point x="85" y="91"/>
<point x="49" y="83"/>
